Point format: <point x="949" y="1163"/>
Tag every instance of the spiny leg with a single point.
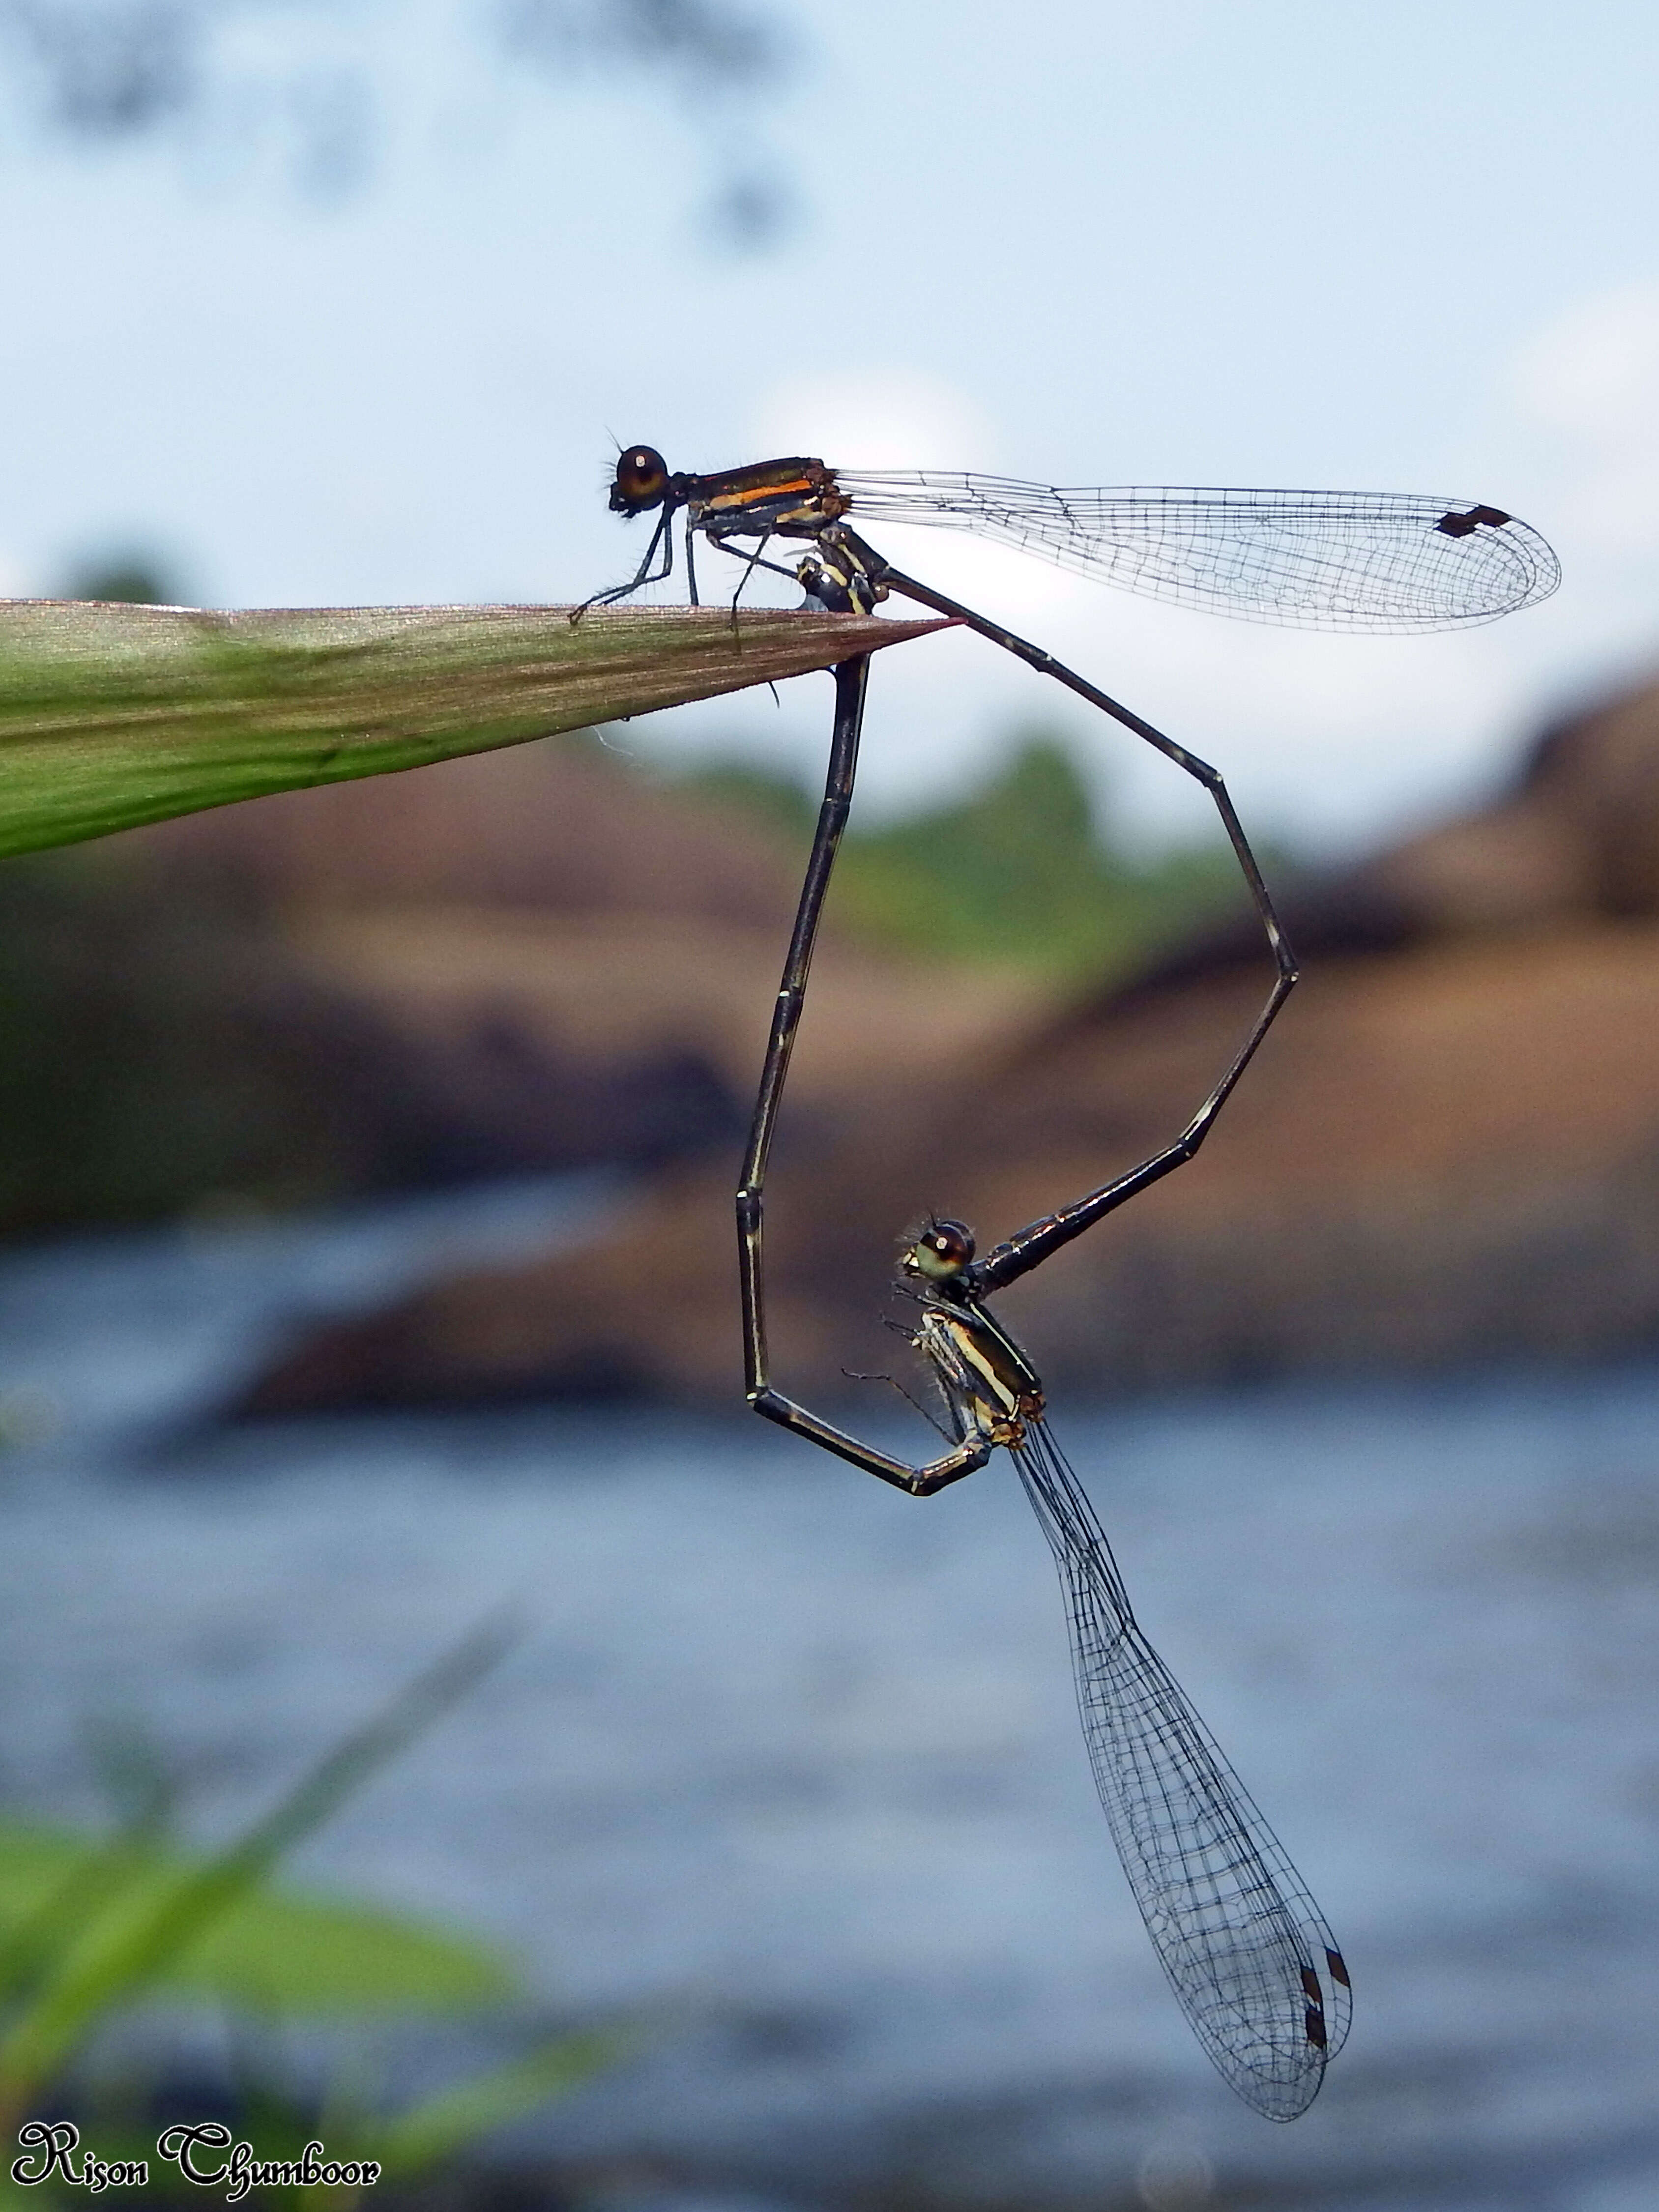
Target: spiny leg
<point x="663" y="535"/>
<point x="851" y="677"/>
<point x="750" y="562"/>
<point x="753" y="562"/>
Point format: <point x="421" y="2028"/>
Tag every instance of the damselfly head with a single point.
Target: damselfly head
<point x="940" y="1253"/>
<point x="641" y="481"/>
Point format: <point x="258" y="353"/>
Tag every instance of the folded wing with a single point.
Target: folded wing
<point x="1250" y="1958"/>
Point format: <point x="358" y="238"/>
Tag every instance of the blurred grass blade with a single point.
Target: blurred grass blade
<point x="456" y="2118"/>
<point x="112" y="715"/>
<point x="81" y="1887"/>
<point x="284" y="1953"/>
<point x="80" y="1880"/>
<point x="128" y="1951"/>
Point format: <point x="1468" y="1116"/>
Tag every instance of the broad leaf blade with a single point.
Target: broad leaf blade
<point x="273" y="1951"/>
<point x="127" y="1950"/>
<point x="454" y="2120"/>
<point x="112" y="715"/>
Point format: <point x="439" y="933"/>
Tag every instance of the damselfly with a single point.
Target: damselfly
<point x="1257" y="1969"/>
<point x="1319" y="560"/>
<point x="1245" y="1948"/>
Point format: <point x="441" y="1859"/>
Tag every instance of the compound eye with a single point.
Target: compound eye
<point x="641" y="478"/>
<point x="951" y="1243"/>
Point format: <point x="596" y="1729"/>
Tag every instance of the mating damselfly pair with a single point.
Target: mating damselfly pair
<point x="1247" y="1951"/>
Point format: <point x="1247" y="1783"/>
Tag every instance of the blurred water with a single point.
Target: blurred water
<point x="790" y="1761"/>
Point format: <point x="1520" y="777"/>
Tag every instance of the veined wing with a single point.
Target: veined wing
<point x="1315" y="560"/>
<point x="1249" y="1956"/>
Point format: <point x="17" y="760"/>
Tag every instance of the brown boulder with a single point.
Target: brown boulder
<point x="1448" y="1150"/>
<point x="564" y="826"/>
<point x="1449" y="1155"/>
<point x="526" y="960"/>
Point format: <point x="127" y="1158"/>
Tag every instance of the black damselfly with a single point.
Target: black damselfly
<point x="1315" y="560"/>
<point x="1245" y="1948"/>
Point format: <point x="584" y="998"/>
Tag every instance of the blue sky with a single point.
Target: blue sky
<point x="1396" y="246"/>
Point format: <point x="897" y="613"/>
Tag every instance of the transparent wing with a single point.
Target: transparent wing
<point x="1249" y="1956"/>
<point x="1316" y="559"/>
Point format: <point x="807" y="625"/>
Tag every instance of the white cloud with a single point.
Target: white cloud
<point x="17" y="580"/>
<point x="1591" y="379"/>
<point x="1335" y="740"/>
<point x="1323" y="735"/>
<point x="875" y="418"/>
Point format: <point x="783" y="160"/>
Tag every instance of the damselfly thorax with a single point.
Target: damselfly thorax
<point x="796" y="497"/>
<point x="988" y="1383"/>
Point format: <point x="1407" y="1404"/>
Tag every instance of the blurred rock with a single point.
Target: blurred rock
<point x="567" y="826"/>
<point x="376" y="985"/>
<point x="1576" y="837"/>
<point x="1448" y="1151"/>
<point x="535" y="959"/>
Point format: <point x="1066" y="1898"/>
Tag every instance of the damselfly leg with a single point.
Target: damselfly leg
<point x="851" y="678"/>
<point x="662" y="537"/>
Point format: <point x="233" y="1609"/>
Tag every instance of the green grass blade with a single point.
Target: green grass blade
<point x="456" y="2118"/>
<point x="113" y="716"/>
<point x="128" y="1951"/>
<point x="278" y="1951"/>
<point x="53" y="1887"/>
